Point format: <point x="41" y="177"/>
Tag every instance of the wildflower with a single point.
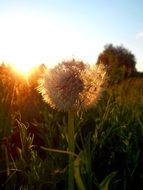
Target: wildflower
<point x="68" y="86"/>
<point x="72" y="84"/>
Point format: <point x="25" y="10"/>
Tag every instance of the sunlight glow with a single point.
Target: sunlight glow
<point x="32" y="39"/>
<point x="24" y="40"/>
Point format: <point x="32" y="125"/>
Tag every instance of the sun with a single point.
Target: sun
<point x="24" y="61"/>
<point x="29" y="39"/>
<point x="23" y="68"/>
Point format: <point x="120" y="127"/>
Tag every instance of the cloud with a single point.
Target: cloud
<point x="139" y="35"/>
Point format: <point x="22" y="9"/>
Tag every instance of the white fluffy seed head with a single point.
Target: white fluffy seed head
<point x="71" y="85"/>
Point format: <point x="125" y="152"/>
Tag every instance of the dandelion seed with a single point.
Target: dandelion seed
<point x="72" y="84"/>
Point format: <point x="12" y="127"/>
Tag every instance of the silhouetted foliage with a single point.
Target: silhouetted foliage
<point x="120" y="61"/>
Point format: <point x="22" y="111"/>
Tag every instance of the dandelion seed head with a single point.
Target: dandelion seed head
<point x="61" y="85"/>
<point x="72" y="84"/>
<point x="93" y="81"/>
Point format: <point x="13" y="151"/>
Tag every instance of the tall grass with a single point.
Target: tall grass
<point x="108" y="142"/>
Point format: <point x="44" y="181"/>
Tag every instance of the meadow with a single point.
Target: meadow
<point x="34" y="141"/>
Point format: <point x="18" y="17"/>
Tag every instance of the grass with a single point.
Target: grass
<point x="34" y="142"/>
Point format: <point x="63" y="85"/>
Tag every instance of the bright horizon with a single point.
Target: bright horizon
<point x="36" y="32"/>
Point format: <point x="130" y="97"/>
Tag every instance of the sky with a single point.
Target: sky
<point x="49" y="31"/>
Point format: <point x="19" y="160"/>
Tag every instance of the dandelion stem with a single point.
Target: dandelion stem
<point x="71" y="146"/>
<point x="77" y="174"/>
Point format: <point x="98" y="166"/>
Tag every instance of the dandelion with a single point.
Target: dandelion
<point x="71" y="85"/>
<point x="68" y="87"/>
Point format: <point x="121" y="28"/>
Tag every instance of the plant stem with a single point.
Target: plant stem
<point x="71" y="146"/>
<point x="77" y="174"/>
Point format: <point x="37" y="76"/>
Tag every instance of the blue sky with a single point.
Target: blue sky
<point x="37" y="31"/>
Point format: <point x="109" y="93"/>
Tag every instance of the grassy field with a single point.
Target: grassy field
<point x="34" y="140"/>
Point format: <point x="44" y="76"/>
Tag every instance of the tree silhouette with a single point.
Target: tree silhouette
<point x="120" y="62"/>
